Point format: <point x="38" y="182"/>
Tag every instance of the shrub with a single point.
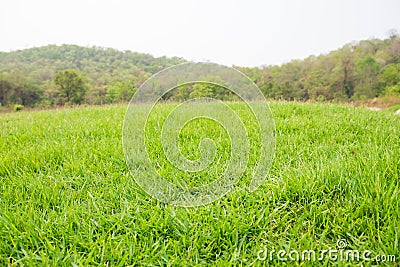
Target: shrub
<point x="18" y="107"/>
<point x="393" y="90"/>
<point x="321" y="98"/>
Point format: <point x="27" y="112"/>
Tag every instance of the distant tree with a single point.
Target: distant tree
<point x="390" y="79"/>
<point x="390" y="75"/>
<point x="50" y="94"/>
<point x="5" y="89"/>
<point x="96" y="95"/>
<point x="181" y="92"/>
<point x="393" y="90"/>
<point x="211" y="90"/>
<point x="71" y="86"/>
<point x="111" y="94"/>
<point x="203" y="90"/>
<point x="345" y="57"/>
<point x="363" y="69"/>
<point x="367" y="70"/>
<point x="393" y="34"/>
<point x="120" y="91"/>
<point x="16" y="89"/>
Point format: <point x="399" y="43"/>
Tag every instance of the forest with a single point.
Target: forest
<point x="68" y="74"/>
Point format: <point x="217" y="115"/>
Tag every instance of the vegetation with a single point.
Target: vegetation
<point x="357" y="71"/>
<point x="27" y="76"/>
<point x="71" y="87"/>
<point x="67" y="198"/>
<point x="18" y="107"/>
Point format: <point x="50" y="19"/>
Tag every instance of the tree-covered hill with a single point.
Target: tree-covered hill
<point x="87" y="59"/>
<point x="357" y="71"/>
<point x="26" y="75"/>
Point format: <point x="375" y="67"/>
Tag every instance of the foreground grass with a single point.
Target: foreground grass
<point x="67" y="198"/>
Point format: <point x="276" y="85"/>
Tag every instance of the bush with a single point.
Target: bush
<point x="18" y="107"/>
<point x="393" y="90"/>
<point x="321" y="98"/>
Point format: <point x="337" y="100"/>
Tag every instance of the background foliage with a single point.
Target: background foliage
<point x="357" y="71"/>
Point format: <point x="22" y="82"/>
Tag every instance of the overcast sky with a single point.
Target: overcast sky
<point x="245" y="33"/>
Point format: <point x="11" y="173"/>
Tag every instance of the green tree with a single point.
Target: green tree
<point x="5" y="89"/>
<point x="390" y="75"/>
<point x="120" y="91"/>
<point x="71" y="86"/>
<point x="393" y="90"/>
<point x="211" y="90"/>
<point x="203" y="90"/>
<point x="111" y="94"/>
<point x="17" y="89"/>
<point x="367" y="71"/>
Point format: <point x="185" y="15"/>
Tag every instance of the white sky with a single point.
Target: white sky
<point x="245" y="33"/>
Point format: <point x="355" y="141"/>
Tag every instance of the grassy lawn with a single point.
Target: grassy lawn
<point x="67" y="196"/>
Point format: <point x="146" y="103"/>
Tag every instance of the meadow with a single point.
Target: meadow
<point x="67" y="196"/>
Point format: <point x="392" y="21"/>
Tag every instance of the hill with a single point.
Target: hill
<point x="357" y="71"/>
<point x="26" y="75"/>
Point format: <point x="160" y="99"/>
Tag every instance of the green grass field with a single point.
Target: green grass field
<point x="67" y="196"/>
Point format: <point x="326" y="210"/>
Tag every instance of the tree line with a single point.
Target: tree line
<point x="359" y="70"/>
<point x="69" y="74"/>
<point x="38" y="77"/>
